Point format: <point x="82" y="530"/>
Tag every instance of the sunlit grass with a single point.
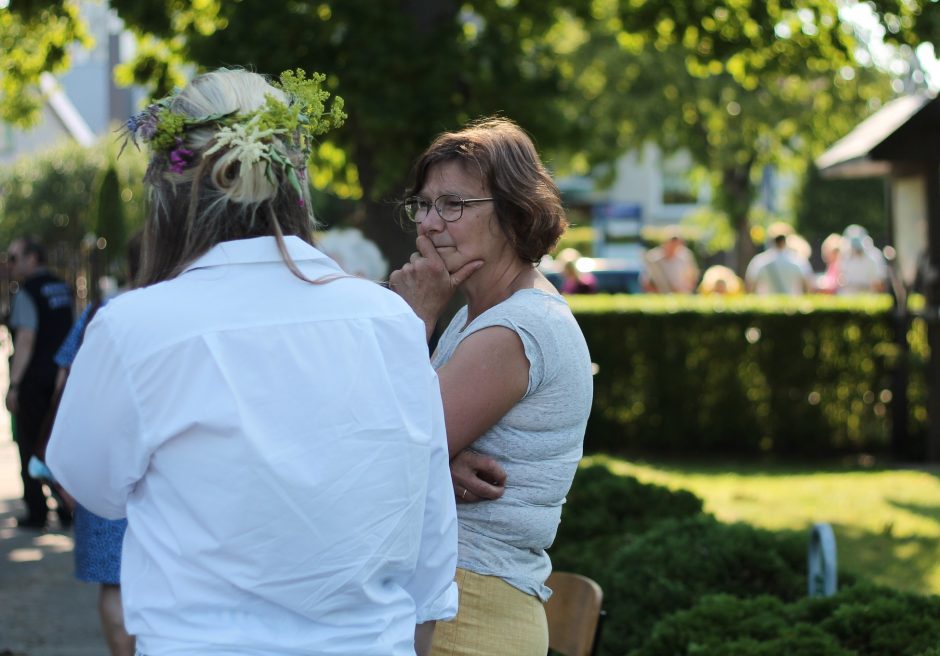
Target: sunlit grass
<point x="887" y="521"/>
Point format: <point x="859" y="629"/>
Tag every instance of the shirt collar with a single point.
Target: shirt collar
<point x="257" y="250"/>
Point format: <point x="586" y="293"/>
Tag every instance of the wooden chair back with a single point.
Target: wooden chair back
<point x="574" y="613"/>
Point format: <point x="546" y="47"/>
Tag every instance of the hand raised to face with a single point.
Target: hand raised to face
<point x="426" y="284"/>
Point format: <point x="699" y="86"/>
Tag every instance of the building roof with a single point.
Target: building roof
<point x="905" y="129"/>
<point x="65" y="111"/>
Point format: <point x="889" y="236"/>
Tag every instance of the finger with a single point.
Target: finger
<point x="482" y="490"/>
<point x="488" y="469"/>
<point x="427" y="250"/>
<point x="415" y="257"/>
<point x="460" y="275"/>
<point x="470" y="497"/>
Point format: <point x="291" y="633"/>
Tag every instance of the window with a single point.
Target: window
<point x="677" y="188"/>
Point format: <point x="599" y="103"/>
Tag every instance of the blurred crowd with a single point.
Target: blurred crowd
<point x="852" y="264"/>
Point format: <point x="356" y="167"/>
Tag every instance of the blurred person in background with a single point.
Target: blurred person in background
<point x="719" y="280"/>
<point x="670" y="268"/>
<point x="573" y="280"/>
<point x="830" y="250"/>
<point x="779" y="269"/>
<point x="40" y="318"/>
<point x="356" y="255"/>
<point x="98" y="541"/>
<point x="862" y="267"/>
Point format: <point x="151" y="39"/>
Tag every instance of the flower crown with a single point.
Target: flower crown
<point x="250" y="135"/>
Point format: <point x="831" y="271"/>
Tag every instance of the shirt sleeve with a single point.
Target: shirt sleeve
<point x="96" y="450"/>
<point x="24" y="313"/>
<point x="433" y="587"/>
<point x="69" y="349"/>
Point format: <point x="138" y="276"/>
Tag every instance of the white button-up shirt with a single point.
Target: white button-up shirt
<point x="279" y="450"/>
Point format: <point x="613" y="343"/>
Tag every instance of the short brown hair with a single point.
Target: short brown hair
<point x="528" y="203"/>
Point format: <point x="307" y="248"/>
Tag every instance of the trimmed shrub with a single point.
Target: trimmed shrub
<point x="805" y="376"/>
<point x="604" y="510"/>
<point x="719" y="625"/>
<point x="675" y="563"/>
<point x="861" y="620"/>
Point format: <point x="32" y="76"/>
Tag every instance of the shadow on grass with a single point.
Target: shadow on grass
<point x="901" y="562"/>
<point x="922" y="509"/>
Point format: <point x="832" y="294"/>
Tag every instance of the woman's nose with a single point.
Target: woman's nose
<point x="432" y="223"/>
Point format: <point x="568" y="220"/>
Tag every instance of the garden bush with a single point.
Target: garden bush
<point x="861" y="620"/>
<point x="803" y="376"/>
<point x="671" y="566"/>
<point x="603" y="510"/>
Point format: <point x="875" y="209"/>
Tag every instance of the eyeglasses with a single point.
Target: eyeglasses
<point x="449" y="207"/>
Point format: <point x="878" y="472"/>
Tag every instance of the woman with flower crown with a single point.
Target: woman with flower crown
<point x="270" y="427"/>
<point x="514" y="369"/>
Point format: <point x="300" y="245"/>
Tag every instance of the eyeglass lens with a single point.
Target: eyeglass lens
<point x="448" y="206"/>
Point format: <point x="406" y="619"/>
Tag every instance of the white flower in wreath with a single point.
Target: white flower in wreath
<point x="246" y="141"/>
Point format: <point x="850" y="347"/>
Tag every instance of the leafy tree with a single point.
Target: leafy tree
<point x="407" y="69"/>
<point x="111" y="224"/>
<point x="52" y="194"/>
<point x="738" y="85"/>
<point x="35" y="36"/>
<point x="911" y="22"/>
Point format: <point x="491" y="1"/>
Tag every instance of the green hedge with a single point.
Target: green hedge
<point x="793" y="376"/>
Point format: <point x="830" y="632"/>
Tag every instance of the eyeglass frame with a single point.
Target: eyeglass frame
<point x="463" y="205"/>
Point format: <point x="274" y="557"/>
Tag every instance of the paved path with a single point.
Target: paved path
<point x="44" y="611"/>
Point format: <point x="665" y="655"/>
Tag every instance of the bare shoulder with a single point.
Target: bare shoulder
<point x="542" y="283"/>
<point x="493" y="344"/>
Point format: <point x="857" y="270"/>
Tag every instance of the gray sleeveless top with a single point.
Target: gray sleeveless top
<point x="538" y="442"/>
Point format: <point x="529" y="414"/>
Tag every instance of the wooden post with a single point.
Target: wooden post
<point x="932" y="310"/>
<point x="900" y="375"/>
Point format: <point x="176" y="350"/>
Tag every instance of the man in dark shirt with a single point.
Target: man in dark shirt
<point x="40" y="318"/>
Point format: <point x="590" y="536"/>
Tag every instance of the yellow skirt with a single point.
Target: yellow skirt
<point x="493" y="618"/>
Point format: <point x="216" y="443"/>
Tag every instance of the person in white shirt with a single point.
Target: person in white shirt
<point x="862" y="267"/>
<point x="779" y="270"/>
<point x="270" y="426"/>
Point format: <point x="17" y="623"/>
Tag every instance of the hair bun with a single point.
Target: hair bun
<point x="240" y="182"/>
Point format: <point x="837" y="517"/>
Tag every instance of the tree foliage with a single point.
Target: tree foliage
<point x="52" y="194"/>
<point x="738" y="83"/>
<point x="35" y="36"/>
<point x="407" y="69"/>
<point x="110" y="222"/>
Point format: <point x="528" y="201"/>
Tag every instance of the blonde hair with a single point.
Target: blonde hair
<point x="720" y="279"/>
<point x="219" y="198"/>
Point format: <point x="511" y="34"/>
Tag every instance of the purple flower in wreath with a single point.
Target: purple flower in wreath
<point x="147" y="127"/>
<point x="180" y="158"/>
<point x="143" y="124"/>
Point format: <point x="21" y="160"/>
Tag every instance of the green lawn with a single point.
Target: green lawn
<point x="887" y="521"/>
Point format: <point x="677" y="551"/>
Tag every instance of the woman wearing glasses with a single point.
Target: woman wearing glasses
<point x="514" y="371"/>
